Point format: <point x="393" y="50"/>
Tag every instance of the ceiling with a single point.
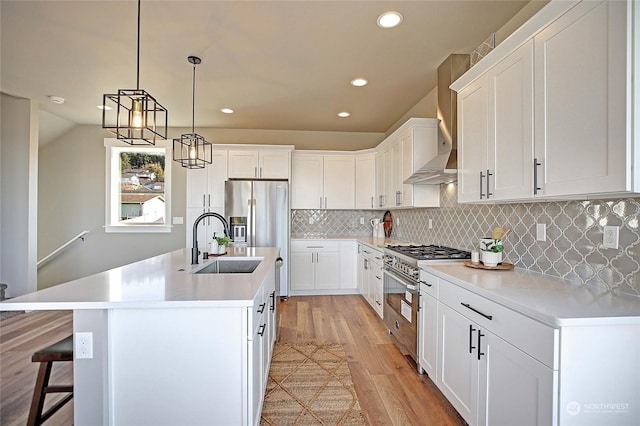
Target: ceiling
<point x="281" y="65"/>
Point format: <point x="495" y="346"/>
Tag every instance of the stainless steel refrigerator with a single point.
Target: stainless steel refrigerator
<point x="258" y="215"/>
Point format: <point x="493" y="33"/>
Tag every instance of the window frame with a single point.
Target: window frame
<point x="114" y="148"/>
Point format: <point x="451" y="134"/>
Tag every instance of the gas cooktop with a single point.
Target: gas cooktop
<point x="429" y="252"/>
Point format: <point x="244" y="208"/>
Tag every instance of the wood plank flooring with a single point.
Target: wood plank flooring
<point x="388" y="387"/>
<point x="390" y="390"/>
<point x="20" y="337"/>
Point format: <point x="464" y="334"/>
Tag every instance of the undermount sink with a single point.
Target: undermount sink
<point x="229" y="266"/>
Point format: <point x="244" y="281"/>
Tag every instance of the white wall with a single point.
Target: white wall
<point x="72" y="199"/>
<point x="18" y="194"/>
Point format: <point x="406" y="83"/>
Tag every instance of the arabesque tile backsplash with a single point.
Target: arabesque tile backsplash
<point x="573" y="249"/>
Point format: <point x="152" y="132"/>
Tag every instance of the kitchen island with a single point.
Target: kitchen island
<point x="169" y="345"/>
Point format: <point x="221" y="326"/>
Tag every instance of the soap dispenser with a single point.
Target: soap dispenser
<point x="213" y="245"/>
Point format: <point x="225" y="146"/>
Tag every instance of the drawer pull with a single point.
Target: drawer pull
<point x="261" y="308"/>
<point x="426" y="283"/>
<point x="466" y="305"/>
<point x="262" y="328"/>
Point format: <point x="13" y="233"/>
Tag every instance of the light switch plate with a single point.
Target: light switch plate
<point x="541" y="232"/>
<point x="178" y="220"/>
<point x="611" y="237"/>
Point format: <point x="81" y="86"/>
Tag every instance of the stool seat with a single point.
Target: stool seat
<point x="59" y="351"/>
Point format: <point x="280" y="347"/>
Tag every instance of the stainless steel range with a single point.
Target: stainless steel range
<point x="402" y="288"/>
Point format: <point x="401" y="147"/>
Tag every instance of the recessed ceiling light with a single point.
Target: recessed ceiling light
<point x="56" y="100"/>
<point x="389" y="19"/>
<point x="105" y="107"/>
<point x="343" y="114"/>
<point x="227" y="110"/>
<point x="359" y="82"/>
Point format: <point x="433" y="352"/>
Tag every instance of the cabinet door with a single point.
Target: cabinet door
<point x="217" y="178"/>
<point x="396" y="195"/>
<point x="458" y="365"/>
<point x="243" y="164"/>
<point x="377" y="288"/>
<point x="580" y="111"/>
<point x="306" y="182"/>
<point x="515" y="389"/>
<point x="198" y="188"/>
<point x="472" y="141"/>
<point x="302" y="271"/>
<point x="380" y="179"/>
<point x="327" y="264"/>
<point x="510" y="156"/>
<point x="339" y="182"/>
<point x="348" y="256"/>
<point x="365" y="192"/>
<point x="361" y="270"/>
<point x="406" y="143"/>
<point x="428" y="337"/>
<point x="273" y="165"/>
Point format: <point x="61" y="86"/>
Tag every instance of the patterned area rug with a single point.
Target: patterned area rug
<point x="310" y="385"/>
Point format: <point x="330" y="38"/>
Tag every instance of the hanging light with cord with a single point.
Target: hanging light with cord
<point x="133" y="115"/>
<point x="191" y="150"/>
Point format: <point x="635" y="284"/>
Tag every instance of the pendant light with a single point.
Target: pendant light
<point x="133" y="115"/>
<point x="192" y="150"/>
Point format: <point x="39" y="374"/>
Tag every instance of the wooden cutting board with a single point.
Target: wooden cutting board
<point x="504" y="266"/>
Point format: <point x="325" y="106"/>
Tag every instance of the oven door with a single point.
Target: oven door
<point x="401" y="298"/>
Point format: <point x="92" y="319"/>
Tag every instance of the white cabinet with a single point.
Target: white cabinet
<point x="580" y="101"/>
<point x="365" y="186"/>
<point x="370" y="274"/>
<point x="322" y="181"/>
<point x="486" y="368"/>
<point x="323" y="267"/>
<point x="549" y="113"/>
<point x="380" y="178"/>
<point x="496" y="131"/>
<point x="402" y="153"/>
<point x="428" y="329"/>
<point x="205" y="193"/>
<point x="260" y="164"/>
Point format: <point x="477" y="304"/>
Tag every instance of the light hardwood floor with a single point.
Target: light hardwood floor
<point x="388" y="387"/>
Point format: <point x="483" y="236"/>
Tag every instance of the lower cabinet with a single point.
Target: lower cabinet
<point x="323" y="267"/>
<point x="428" y="324"/>
<point x="262" y="321"/>
<point x="370" y="277"/>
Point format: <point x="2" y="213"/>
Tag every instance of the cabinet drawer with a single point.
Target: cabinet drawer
<point x="529" y="335"/>
<point x="429" y="283"/>
<point x="373" y="254"/>
<point x="314" y="245"/>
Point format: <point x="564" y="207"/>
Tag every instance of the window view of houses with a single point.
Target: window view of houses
<point x="142" y="187"/>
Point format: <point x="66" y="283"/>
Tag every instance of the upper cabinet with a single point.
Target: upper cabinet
<point x="259" y="164"/>
<point x="322" y="181"/>
<point x="550" y="112"/>
<point x="365" y="181"/>
<point x="407" y="149"/>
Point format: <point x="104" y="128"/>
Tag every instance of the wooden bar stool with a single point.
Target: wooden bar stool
<point x="61" y="351"/>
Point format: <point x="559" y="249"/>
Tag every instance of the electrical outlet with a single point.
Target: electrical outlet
<point x="84" y="345"/>
<point x="611" y="236"/>
<point x="541" y="232"/>
<point x="362" y="221"/>
<point x="430" y="223"/>
<point x="310" y="221"/>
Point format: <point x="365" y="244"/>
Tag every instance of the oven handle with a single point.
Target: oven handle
<point x="401" y="280"/>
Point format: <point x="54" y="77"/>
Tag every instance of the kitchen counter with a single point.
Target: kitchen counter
<point x="370" y="241"/>
<point x="553" y="301"/>
<point x="160" y="336"/>
<point x="158" y="282"/>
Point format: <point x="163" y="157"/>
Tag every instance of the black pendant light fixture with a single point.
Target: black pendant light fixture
<point x="133" y="115"/>
<point x="192" y="150"/>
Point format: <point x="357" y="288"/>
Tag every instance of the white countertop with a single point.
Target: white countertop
<point x="162" y="281"/>
<point x="370" y="241"/>
<point x="553" y="301"/>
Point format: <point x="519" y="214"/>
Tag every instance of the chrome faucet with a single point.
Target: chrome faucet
<point x="194" y="250"/>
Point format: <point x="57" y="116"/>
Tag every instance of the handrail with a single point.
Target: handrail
<point x="62" y="247"/>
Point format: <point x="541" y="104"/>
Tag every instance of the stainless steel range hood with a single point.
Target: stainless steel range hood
<point x="444" y="167"/>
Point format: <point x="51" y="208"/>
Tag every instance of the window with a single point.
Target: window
<point x="138" y="187"/>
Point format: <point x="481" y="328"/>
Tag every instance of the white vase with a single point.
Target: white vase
<point x="490" y="258"/>
<point x="222" y="249"/>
